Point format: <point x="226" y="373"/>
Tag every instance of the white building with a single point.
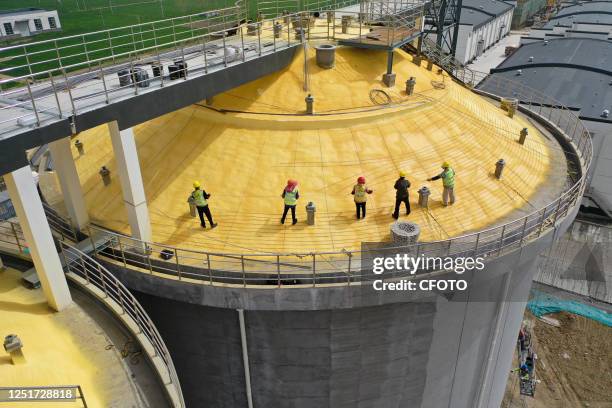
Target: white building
<point x="27" y="21"/>
<point x="482" y="24"/>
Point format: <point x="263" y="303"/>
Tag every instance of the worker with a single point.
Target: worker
<point x="401" y="194"/>
<point x="361" y="191"/>
<point x="199" y="198"/>
<point x="448" y="182"/>
<point x="290" y="196"/>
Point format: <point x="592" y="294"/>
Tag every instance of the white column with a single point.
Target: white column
<point x="69" y="182"/>
<point x="22" y="190"/>
<point x="128" y="168"/>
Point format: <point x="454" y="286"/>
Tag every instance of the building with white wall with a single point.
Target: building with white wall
<point x="27" y="21"/>
<point x="482" y="24"/>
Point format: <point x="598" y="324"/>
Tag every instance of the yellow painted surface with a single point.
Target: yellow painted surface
<point x="244" y="159"/>
<point x="59" y="348"/>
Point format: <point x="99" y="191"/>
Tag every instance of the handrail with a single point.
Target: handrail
<point x="94" y="274"/>
<point x="343" y="267"/>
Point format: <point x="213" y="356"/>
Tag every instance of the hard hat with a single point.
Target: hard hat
<point x="445" y="165"/>
<point x="292" y="182"/>
<point x="196" y="184"/>
<point x="402" y="173"/>
<point x="361" y="180"/>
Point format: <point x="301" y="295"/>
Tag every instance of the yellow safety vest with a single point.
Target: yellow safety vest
<point x="361" y="191"/>
<point x="448" y="178"/>
<point x="291" y="197"/>
<point x="198" y="198"/>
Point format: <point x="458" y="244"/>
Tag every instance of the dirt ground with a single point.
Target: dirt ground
<point x="574" y="365"/>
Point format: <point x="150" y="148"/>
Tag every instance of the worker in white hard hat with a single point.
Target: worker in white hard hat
<point x="200" y="198"/>
<point x="448" y="182"/>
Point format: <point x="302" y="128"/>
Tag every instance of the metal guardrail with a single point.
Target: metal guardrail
<point x="345" y="267"/>
<point x="47" y="81"/>
<point x="95" y="275"/>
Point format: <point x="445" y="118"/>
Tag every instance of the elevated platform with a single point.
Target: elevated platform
<point x="246" y="145"/>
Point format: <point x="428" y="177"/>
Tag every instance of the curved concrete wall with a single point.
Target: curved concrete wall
<point x="339" y="347"/>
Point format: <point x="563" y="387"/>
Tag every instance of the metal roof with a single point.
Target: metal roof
<point x="575" y="71"/>
<point x="21" y="11"/>
<point x="596" y="12"/>
<point x="479" y="12"/>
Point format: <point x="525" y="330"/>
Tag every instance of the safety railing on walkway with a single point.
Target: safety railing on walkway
<point x="347" y="267"/>
<point x="47" y="81"/>
<point x="11" y="237"/>
<point x="94" y="276"/>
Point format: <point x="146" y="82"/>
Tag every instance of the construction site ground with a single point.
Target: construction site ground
<point x="574" y="365"/>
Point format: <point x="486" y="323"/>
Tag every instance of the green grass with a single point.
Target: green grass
<point x="87" y="16"/>
<point x="81" y="16"/>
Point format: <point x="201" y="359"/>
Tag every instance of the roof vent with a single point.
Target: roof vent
<point x="605" y="113"/>
<point x="530" y="59"/>
<point x="545" y="42"/>
<point x="519" y="72"/>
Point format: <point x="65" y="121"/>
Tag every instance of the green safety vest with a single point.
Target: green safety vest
<point x="290" y="197"/>
<point x="198" y="198"/>
<point x="360" y="193"/>
<point x="448" y="178"/>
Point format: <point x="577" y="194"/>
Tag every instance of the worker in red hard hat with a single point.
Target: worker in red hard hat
<point x="290" y="196"/>
<point x="361" y="191"/>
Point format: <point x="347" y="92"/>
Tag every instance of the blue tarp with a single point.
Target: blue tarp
<point x="543" y="303"/>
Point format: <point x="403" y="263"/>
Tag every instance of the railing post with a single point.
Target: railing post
<point x="476" y="245"/>
<point x="210" y="279"/>
<point x="32" y="101"/>
<point x="225" y="50"/>
<point x="350" y="258"/>
<point x="259" y="31"/>
<point x="103" y="82"/>
<point x="69" y="92"/>
<point x="178" y="265"/>
<point x="120" y="300"/>
<point x="122" y="253"/>
<point x="103" y="282"/>
<point x="59" y="107"/>
<point x="314" y="270"/>
<point x="278" y="274"/>
<point x="501" y="241"/>
<point x="243" y="271"/>
<point x="16" y="237"/>
<point x="523" y="232"/>
<point x="242" y="42"/>
<point x="204" y="51"/>
<point x="184" y="62"/>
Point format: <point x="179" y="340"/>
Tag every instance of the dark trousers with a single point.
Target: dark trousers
<point x="201" y="212"/>
<point x="398" y="202"/>
<point x="361" y="208"/>
<point x="287" y="207"/>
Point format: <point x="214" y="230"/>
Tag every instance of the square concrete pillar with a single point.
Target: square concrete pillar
<point x="24" y="195"/>
<point x="128" y="168"/>
<point x="69" y="182"/>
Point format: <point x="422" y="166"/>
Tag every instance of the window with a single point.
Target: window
<point x="38" y="24"/>
<point x="52" y="23"/>
<point x="8" y="27"/>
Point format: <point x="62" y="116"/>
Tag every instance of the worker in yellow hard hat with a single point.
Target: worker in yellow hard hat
<point x="448" y="182"/>
<point x="401" y="194"/>
<point x="200" y="198"/>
